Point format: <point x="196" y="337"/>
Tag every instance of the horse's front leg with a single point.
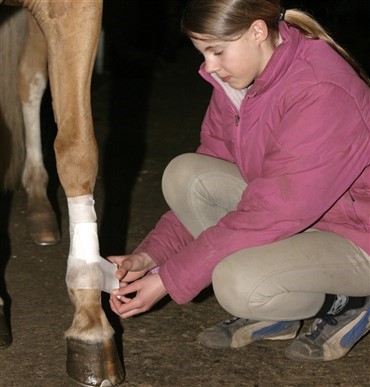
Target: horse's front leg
<point x="32" y="81"/>
<point x="72" y="29"/>
<point x="92" y="357"/>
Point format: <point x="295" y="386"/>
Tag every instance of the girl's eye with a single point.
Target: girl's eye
<point x="218" y="53"/>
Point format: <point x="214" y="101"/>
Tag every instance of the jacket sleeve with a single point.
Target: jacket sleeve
<point x="317" y="150"/>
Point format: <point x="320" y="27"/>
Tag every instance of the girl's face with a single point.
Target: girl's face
<point x="238" y="62"/>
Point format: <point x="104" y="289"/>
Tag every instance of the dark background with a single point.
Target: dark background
<point x="142" y="38"/>
<point x="140" y="31"/>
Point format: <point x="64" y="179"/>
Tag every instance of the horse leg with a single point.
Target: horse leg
<point x="71" y="29"/>
<point x="32" y="81"/>
<point x="5" y="334"/>
<point x="11" y="144"/>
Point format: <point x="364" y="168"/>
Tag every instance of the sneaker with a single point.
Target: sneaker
<point x="331" y="337"/>
<point x="238" y="332"/>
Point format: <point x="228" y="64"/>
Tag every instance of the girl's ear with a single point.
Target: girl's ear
<point x="259" y="31"/>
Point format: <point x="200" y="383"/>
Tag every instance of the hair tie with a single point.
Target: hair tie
<point x="282" y="14"/>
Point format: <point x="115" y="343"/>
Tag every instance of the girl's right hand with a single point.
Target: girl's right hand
<point x="132" y="267"/>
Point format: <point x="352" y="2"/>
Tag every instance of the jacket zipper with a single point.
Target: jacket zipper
<point x="237" y="119"/>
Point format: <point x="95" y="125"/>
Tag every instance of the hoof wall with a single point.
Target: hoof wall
<point x="43" y="228"/>
<point x="94" y="363"/>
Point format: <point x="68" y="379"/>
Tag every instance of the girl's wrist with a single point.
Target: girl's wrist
<point x="148" y="261"/>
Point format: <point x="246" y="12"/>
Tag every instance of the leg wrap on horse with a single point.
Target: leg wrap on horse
<point x="86" y="269"/>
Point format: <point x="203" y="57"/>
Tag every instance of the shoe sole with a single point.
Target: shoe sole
<point x="262" y="331"/>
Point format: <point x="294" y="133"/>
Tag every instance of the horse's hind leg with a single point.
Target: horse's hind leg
<point x="32" y="81"/>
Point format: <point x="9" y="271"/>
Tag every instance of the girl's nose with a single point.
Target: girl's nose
<point x="211" y="66"/>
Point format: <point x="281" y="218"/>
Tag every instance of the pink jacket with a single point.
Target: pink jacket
<point x="301" y="139"/>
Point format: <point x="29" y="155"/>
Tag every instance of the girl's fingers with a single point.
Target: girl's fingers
<point x="116" y="303"/>
<point x="123" y="299"/>
<point x="130" y="313"/>
<point x="130" y="309"/>
<point x="138" y="296"/>
<point x="126" y="306"/>
<point x="115" y="258"/>
<point x="116" y="309"/>
<point x="128" y="288"/>
<point x="123" y="268"/>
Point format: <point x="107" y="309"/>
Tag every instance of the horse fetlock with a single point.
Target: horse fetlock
<point x="35" y="179"/>
<point x="90" y="322"/>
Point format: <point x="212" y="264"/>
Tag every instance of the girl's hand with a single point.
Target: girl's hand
<point x="131" y="267"/>
<point x="149" y="290"/>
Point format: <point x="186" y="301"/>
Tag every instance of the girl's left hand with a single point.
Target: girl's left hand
<point x="149" y="290"/>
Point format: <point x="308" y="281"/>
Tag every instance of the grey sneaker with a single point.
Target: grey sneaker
<point x="238" y="332"/>
<point x="331" y="337"/>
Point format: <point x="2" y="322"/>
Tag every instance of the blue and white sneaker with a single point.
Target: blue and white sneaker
<point x="331" y="337"/>
<point x="238" y="332"/>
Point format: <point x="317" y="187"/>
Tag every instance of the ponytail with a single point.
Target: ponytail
<point x="312" y="29"/>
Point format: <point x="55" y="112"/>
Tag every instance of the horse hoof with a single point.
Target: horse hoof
<point x="43" y="228"/>
<point x="94" y="363"/>
<point x="5" y="336"/>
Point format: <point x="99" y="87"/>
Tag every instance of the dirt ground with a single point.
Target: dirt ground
<point x="141" y="124"/>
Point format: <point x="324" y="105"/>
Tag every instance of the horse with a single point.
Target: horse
<point x="60" y="40"/>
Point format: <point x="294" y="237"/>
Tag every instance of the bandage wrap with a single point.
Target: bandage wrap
<point x="83" y="271"/>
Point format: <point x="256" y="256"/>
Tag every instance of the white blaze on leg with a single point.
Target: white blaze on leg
<point x="34" y="172"/>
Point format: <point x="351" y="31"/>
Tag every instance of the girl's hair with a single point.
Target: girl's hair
<point x="229" y="19"/>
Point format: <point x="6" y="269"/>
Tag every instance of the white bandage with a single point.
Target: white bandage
<point x="83" y="233"/>
<point x="86" y="269"/>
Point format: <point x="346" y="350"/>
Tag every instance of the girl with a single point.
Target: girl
<point x="273" y="209"/>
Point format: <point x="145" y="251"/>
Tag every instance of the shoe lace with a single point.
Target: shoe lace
<point x="321" y="324"/>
